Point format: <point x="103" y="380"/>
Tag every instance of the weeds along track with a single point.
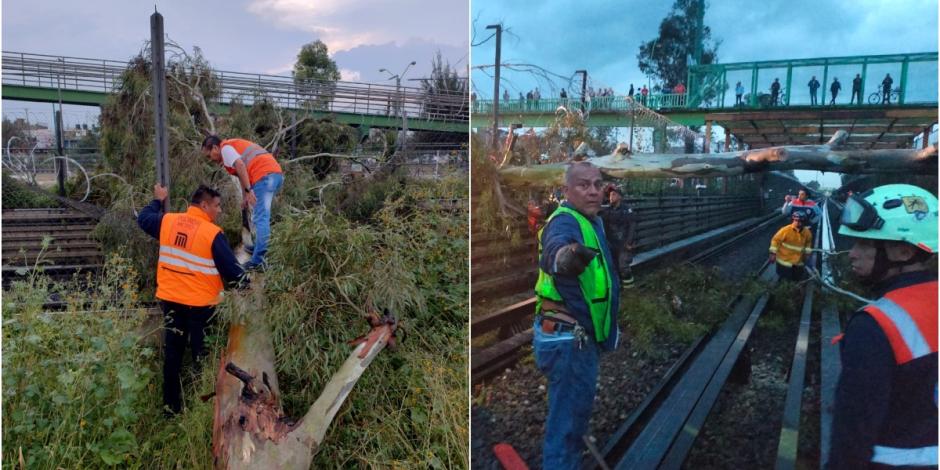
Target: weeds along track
<point x="505" y="292"/>
<point x="756" y="384"/>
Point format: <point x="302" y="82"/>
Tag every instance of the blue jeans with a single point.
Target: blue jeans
<point x="264" y="189"/>
<point x="572" y="382"/>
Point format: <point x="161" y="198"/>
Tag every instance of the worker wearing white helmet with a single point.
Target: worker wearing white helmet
<point x="886" y="399"/>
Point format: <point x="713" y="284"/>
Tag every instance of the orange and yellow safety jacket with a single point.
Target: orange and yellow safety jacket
<point x="791" y="245"/>
<point x="258" y="161"/>
<point x="186" y="271"/>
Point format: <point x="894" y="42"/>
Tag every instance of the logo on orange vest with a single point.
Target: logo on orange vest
<point x="181" y="239"/>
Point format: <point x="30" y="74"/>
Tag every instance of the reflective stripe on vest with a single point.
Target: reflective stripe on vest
<point x="595" y="281"/>
<point x="919" y="456"/>
<point x="186" y="271"/>
<point x="802" y="249"/>
<point x="258" y="161"/>
<point x="908" y="317"/>
<point x="192" y="262"/>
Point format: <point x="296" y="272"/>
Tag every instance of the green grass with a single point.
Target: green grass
<point x="84" y="390"/>
<point x="676" y="304"/>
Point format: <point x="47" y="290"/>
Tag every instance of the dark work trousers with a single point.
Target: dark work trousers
<point x="183" y="323"/>
<point x="790" y="273"/>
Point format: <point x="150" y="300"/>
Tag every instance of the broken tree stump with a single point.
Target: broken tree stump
<point x="250" y="430"/>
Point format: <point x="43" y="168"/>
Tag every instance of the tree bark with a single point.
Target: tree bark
<point x="828" y="157"/>
<point x="250" y="430"/>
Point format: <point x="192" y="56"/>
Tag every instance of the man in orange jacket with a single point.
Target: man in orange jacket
<point x="259" y="176"/>
<point x="194" y="260"/>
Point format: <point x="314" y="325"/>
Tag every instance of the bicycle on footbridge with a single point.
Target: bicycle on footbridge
<point x="878" y="96"/>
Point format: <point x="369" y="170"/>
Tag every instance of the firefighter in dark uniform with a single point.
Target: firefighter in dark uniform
<point x="886" y="399"/>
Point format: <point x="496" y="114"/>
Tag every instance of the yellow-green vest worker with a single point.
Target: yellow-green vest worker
<point x="595" y="281"/>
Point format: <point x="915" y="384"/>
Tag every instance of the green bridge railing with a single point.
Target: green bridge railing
<point x="712" y="87"/>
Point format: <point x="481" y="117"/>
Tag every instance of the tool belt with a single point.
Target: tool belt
<point x="556" y="322"/>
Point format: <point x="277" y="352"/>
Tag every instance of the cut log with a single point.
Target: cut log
<point x="829" y="157"/>
<point x="250" y="430"/>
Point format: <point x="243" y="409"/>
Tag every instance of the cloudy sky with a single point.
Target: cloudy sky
<point x="604" y="36"/>
<point x="259" y="36"/>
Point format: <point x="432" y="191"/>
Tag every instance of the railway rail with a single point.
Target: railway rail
<point x="662" y="430"/>
<point x="511" y="325"/>
<point x="56" y="241"/>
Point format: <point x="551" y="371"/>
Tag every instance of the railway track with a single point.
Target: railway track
<point x="55" y="241"/>
<point x="510" y="326"/>
<point x="661" y="431"/>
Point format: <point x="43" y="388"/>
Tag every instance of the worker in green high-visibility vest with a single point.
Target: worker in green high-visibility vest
<point x="578" y="296"/>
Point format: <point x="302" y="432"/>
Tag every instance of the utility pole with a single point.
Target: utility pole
<point x="499" y="41"/>
<point x="699" y="30"/>
<point x="158" y="77"/>
<point x="401" y="109"/>
<point x="60" y="151"/>
<point x="583" y="84"/>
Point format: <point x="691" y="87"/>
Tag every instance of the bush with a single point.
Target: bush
<point x="76" y="386"/>
<point x="325" y="270"/>
<point x="17" y="196"/>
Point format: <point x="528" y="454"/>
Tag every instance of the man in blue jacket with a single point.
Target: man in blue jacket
<point x="576" y="313"/>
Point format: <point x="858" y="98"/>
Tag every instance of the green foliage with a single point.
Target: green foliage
<point x="666" y="57"/>
<point x="17" y="196"/>
<point x="316" y="72"/>
<point x="488" y="214"/>
<point x="410" y="257"/>
<point x="336" y="248"/>
<point x="676" y="303"/>
<point x="76" y="386"/>
<point x="314" y="63"/>
<point x="16" y="129"/>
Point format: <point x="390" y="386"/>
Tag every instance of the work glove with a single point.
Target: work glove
<point x="572" y="259"/>
<point x="773" y="258"/>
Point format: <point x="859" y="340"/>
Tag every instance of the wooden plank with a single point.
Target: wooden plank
<point x="502" y="317"/>
<point x="790" y="430"/>
<point x="489" y="361"/>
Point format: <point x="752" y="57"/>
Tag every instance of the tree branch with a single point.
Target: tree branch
<point x="829" y="157"/>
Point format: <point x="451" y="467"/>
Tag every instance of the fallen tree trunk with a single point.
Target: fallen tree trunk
<point x="829" y="157"/>
<point x="250" y="430"/>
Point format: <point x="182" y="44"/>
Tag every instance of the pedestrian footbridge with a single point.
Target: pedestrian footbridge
<point x="72" y="80"/>
<point x="757" y="119"/>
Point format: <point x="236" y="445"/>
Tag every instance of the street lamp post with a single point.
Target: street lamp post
<point x="399" y="104"/>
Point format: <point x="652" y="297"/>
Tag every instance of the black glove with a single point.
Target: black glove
<point x="572" y="259"/>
